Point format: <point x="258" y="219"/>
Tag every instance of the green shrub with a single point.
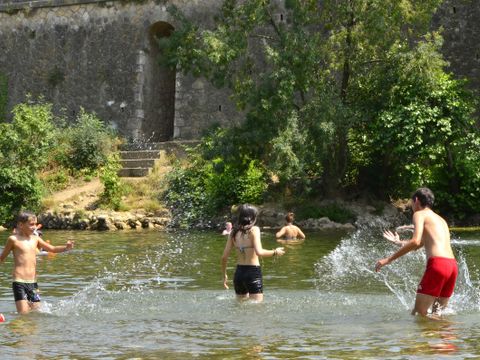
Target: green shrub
<point x="89" y="143"/>
<point x="334" y="212"/>
<point x="28" y="139"/>
<point x="57" y="180"/>
<point x="24" y="147"/>
<point x="19" y="189"/>
<point x="112" y="192"/>
<point x="251" y="185"/>
<point x="204" y="188"/>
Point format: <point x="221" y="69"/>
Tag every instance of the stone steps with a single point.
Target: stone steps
<point x="137" y="160"/>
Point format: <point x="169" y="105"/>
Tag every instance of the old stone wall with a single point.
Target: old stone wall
<point x="102" y="56"/>
<point x="461" y="32"/>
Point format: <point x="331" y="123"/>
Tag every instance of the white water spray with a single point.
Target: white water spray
<point x="350" y="267"/>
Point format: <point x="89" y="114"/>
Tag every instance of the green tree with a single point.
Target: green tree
<point x="322" y="82"/>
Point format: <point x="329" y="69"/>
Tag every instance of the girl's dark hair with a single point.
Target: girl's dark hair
<point x="246" y="219"/>
<point x="425" y="196"/>
<point x="25" y="216"/>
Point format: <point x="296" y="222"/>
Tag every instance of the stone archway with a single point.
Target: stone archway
<point x="159" y="89"/>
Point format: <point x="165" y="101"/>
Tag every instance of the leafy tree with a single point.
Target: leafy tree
<point x="337" y="94"/>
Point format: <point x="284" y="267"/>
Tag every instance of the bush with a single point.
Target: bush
<point x="334" y="212"/>
<point x="24" y="147"/>
<point x="19" y="189"/>
<point x="204" y="188"/>
<point x="113" y="191"/>
<point x="88" y="143"/>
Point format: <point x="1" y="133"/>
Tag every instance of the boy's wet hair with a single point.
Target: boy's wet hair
<point x="425" y="196"/>
<point x="25" y="216"/>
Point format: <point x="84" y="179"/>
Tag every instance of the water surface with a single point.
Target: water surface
<point x="158" y="295"/>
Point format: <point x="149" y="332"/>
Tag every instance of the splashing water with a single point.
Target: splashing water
<point x="128" y="280"/>
<point x="351" y="267"/>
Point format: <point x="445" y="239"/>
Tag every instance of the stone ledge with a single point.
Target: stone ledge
<point x="12" y="5"/>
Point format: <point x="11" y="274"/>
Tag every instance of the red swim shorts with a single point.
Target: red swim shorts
<point x="439" y="277"/>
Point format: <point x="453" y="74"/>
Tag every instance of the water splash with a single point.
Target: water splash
<point x="350" y="267"/>
<point x="129" y="280"/>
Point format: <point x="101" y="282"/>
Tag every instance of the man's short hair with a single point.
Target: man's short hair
<point x="425" y="196"/>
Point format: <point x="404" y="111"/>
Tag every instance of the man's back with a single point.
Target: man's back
<point x="435" y="235"/>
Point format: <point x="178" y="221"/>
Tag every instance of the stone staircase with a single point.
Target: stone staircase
<point x="137" y="160"/>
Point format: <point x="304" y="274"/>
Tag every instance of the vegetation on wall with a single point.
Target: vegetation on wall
<point x="340" y="97"/>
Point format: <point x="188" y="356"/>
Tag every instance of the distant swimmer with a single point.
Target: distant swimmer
<point x="245" y="239"/>
<point x="290" y="233"/>
<point x="23" y="244"/>
<point x="228" y="228"/>
<point x="430" y="231"/>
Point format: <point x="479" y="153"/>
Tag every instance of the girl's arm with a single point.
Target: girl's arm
<point x="257" y="245"/>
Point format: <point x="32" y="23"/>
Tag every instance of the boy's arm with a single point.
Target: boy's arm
<point x="6" y="250"/>
<point x="413" y="244"/>
<point x="55" y="249"/>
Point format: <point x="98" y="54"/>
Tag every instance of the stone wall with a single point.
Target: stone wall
<point x="461" y="33"/>
<point x="102" y="56"/>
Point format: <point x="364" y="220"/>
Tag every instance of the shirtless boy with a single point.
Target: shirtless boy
<point x="24" y="244"/>
<point x="289" y="232"/>
<point x="430" y="231"/>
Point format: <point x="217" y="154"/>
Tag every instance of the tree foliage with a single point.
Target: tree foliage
<point x="348" y="94"/>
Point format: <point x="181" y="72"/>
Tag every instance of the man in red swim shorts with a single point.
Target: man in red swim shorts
<point x="430" y="231"/>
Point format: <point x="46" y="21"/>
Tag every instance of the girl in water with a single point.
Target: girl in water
<point x="245" y="238"/>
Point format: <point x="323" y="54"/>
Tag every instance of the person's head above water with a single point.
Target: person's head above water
<point x="424" y="196"/>
<point x="290" y="217"/>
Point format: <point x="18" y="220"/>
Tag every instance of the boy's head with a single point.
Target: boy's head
<point x="424" y="196"/>
<point x="26" y="222"/>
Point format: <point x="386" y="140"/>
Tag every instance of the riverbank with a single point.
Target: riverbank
<point x="76" y="208"/>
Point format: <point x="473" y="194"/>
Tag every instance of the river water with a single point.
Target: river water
<point x="159" y="295"/>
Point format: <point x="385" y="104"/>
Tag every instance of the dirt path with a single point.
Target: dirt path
<point x="83" y="195"/>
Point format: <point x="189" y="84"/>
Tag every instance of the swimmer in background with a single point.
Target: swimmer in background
<point x="290" y="232"/>
<point x="228" y="228"/>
